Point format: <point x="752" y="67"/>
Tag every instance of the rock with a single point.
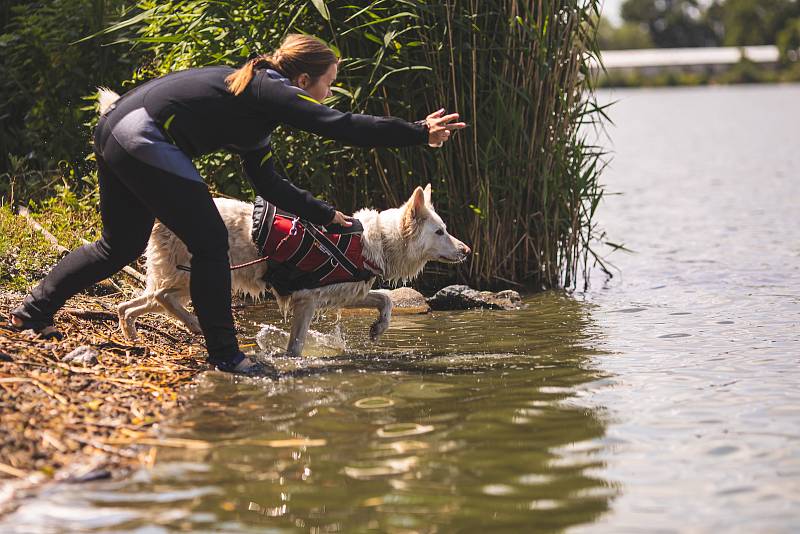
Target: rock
<point x="94" y="474"/>
<point x="83" y="355"/>
<point x="95" y="468"/>
<point x="407" y="301"/>
<point x="461" y="297"/>
<point x="512" y="296"/>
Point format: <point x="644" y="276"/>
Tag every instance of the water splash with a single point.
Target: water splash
<point x="272" y="341"/>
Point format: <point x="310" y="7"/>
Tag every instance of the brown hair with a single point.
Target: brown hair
<point x="297" y="54"/>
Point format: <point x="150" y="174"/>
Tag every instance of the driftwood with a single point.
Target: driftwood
<point x="33" y="223"/>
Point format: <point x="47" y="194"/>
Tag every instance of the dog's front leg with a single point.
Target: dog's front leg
<point x="302" y="314"/>
<point x="380" y="301"/>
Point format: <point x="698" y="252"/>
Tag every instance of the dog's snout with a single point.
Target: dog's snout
<point x="465" y="249"/>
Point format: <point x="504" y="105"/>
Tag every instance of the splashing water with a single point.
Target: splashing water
<point x="272" y="340"/>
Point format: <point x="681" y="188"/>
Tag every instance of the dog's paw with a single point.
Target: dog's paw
<point x="194" y="327"/>
<point x="378" y="328"/>
<point x="130" y="333"/>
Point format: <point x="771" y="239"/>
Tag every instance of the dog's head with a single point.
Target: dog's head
<point x="425" y="232"/>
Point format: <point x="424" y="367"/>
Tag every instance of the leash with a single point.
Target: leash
<point x="232" y="267"/>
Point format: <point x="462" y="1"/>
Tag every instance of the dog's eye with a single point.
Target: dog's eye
<point x="439" y="232"/>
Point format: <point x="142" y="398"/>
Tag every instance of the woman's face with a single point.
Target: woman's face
<point x="320" y="89"/>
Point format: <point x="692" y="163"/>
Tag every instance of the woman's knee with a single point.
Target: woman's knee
<point x="211" y="242"/>
<point x="120" y="251"/>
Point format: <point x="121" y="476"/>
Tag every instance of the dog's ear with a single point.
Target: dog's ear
<point x="416" y="204"/>
<point x="427" y="195"/>
<point x="413" y="214"/>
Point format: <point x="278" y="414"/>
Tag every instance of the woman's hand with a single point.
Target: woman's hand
<point x="341" y="219"/>
<point x="440" y="127"/>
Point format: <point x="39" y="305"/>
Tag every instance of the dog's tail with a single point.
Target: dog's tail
<point x="106" y="97"/>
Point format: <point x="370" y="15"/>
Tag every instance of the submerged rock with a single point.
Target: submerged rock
<point x="83" y="355"/>
<point x="461" y="297"/>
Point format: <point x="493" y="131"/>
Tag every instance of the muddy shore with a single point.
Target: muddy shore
<point x="70" y="422"/>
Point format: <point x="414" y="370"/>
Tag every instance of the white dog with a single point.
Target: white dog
<point x="399" y="242"/>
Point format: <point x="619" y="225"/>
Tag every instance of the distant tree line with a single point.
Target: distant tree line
<point x="692" y="23"/>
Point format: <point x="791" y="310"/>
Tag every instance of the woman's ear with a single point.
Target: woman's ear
<point x="303" y="81"/>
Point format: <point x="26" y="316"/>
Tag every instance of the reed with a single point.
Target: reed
<point x="520" y="185"/>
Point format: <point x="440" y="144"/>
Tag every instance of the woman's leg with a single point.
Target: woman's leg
<point x="126" y="228"/>
<point x="185" y="207"/>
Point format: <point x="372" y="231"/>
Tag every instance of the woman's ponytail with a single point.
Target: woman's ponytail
<point x="240" y="79"/>
<point x="298" y="54"/>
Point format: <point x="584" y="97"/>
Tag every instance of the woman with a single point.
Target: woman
<point x="144" y="145"/>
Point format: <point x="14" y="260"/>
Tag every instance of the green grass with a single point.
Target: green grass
<point x="25" y="255"/>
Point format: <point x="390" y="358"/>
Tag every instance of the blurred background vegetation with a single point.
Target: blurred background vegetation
<point x="520" y="185"/>
<point x="700" y="23"/>
<point x="688" y="23"/>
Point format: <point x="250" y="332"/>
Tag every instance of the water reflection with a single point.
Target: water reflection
<point x="456" y="421"/>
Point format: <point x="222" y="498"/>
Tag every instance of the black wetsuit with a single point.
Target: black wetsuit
<point x="143" y="146"/>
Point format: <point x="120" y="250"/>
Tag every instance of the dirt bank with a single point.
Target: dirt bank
<point x="69" y="422"/>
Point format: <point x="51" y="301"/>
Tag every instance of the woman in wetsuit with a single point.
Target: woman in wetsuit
<point x="144" y="145"/>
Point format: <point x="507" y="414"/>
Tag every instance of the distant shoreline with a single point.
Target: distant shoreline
<point x="667" y="67"/>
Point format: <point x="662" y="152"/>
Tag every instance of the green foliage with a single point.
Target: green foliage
<point x="627" y="36"/>
<point x="25" y="255"/>
<point x="788" y="42"/>
<point x="680" y="23"/>
<point x="743" y="72"/>
<point x="520" y="185"/>
<point x="755" y="23"/>
<point x="672" y="23"/>
<point x="45" y="77"/>
<point x="70" y="218"/>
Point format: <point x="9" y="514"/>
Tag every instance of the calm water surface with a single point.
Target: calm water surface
<point x="666" y="399"/>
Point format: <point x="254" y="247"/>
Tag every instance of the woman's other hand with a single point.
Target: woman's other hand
<point x="440" y="127"/>
<point x="341" y="219"/>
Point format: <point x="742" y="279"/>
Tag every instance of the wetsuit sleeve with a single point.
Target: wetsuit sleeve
<point x="260" y="169"/>
<point x="293" y="106"/>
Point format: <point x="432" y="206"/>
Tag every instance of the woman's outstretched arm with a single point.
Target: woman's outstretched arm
<point x="260" y="169"/>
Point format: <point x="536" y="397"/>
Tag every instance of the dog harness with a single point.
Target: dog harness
<point x="301" y="255"/>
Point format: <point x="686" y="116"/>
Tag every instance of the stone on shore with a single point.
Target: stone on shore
<point x="83" y="355"/>
<point x="405" y="301"/>
<point x="461" y="297"/>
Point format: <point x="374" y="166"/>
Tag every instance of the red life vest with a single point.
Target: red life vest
<point x="303" y="256"/>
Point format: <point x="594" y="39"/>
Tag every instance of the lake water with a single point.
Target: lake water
<point x="665" y="399"/>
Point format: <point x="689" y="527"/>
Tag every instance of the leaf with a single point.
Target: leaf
<point x="120" y="25"/>
<point x="387" y="38"/>
<point x="322" y="8"/>
<point x="395" y="71"/>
